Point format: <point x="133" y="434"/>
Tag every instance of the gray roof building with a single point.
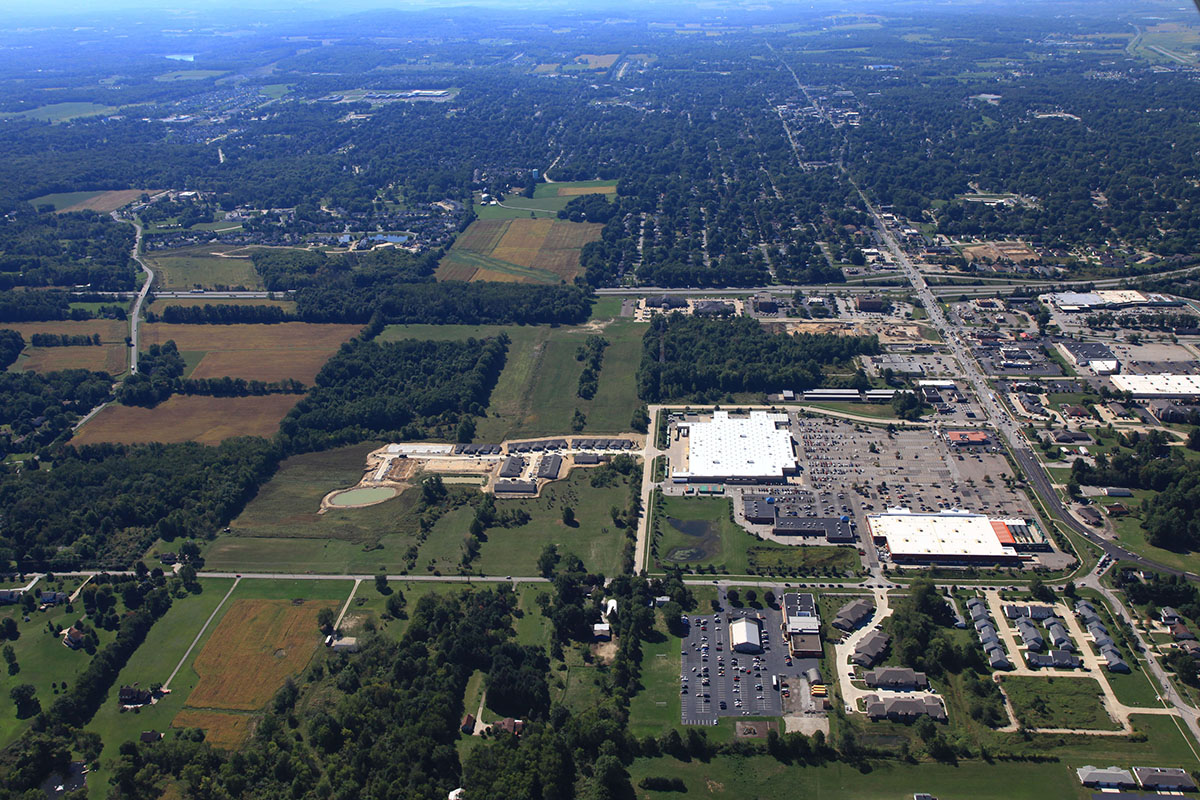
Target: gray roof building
<point x="905" y="709"/>
<point x="512" y="467"/>
<point x="870" y="649"/>
<point x="1171" y="779"/>
<point x="896" y="678"/>
<point x="853" y="614"/>
<point x="1108" y="777"/>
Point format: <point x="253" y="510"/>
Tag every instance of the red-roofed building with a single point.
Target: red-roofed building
<point x="968" y="438"/>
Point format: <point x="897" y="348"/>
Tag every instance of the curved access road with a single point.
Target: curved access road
<point x="136" y="314"/>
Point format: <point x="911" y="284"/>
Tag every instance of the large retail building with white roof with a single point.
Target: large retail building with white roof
<point x="755" y="448"/>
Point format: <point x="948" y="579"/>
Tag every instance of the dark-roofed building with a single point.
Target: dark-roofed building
<point x="516" y="487"/>
<point x="1091" y="516"/>
<point x="146" y="737"/>
<point x="1166" y="779"/>
<point x="1181" y="632"/>
<point x="1030" y="635"/>
<point x="587" y="459"/>
<point x="1169" y="616"/>
<point x="899" y="678"/>
<point x="870" y="649"/>
<point x="468" y="724"/>
<point x="853" y="614"/>
<point x="74" y="637"/>
<point x="9" y="596"/>
<point x="1032" y="612"/>
<point x="712" y="308"/>
<point x="1058" y="659"/>
<point x="133" y="696"/>
<point x="997" y="659"/>
<point x="905" y="709"/>
<point x="54" y="598"/>
<point x="549" y="467"/>
<point x="834" y="529"/>
<point x="512" y="467"/>
<point x="1113" y="660"/>
<point x="665" y="302"/>
<point x="1059" y="638"/>
<point x="757" y="510"/>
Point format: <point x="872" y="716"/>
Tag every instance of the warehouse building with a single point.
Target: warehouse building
<point x="947" y="537"/>
<point x="1164" y="386"/>
<point x="745" y="635"/>
<point x="746" y="449"/>
<point x="1093" y="355"/>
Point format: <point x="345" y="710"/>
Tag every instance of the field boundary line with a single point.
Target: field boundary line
<point x="207" y="622"/>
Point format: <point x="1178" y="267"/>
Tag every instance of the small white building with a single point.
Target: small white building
<point x="745" y="635"/>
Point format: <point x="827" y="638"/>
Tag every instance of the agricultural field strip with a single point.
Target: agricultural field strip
<point x="237" y="579"/>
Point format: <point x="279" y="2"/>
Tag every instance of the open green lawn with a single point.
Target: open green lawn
<point x="62" y="200"/>
<point x="532" y="627"/>
<point x="737" y="778"/>
<point x="876" y="410"/>
<point x="1131" y="534"/>
<point x="536" y="393"/>
<point x="655" y="708"/>
<point x="62" y="112"/>
<point x="43" y="659"/>
<point x="185" y="268"/>
<point x="280" y="529"/>
<point x="546" y="201"/>
<point x="606" y="308"/>
<point x="594" y="538"/>
<point x="190" y="75"/>
<point x="704" y="535"/>
<point x="153" y="662"/>
<point x="1052" y="702"/>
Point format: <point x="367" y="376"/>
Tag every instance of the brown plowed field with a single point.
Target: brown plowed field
<point x="529" y="250"/>
<point x="108" y="358"/>
<point x="256" y="647"/>
<point x="183" y="418"/>
<point x="572" y="191"/>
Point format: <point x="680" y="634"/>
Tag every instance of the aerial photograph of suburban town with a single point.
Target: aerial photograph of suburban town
<point x="620" y="401"/>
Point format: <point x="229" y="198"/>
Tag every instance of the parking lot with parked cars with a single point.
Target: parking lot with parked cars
<point x="715" y="681"/>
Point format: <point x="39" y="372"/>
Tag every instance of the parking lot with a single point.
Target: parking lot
<point x="712" y="675"/>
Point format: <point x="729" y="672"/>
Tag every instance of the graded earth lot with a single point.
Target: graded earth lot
<point x="294" y="350"/>
<point x="184" y="418"/>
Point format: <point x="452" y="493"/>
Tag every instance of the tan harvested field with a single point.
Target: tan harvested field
<point x="221" y="729"/>
<point x="256" y="647"/>
<point x="284" y="336"/>
<point x="529" y="250"/>
<point x="295" y="350"/>
<point x="108" y="201"/>
<point x="183" y="418"/>
<point x="108" y="358"/>
<point x="595" y="61"/>
<point x="572" y="191"/>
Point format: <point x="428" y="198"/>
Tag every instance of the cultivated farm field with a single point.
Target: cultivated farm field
<point x="258" y="644"/>
<point x="526" y="250"/>
<point x="185" y="418"/>
<point x="294" y="350"/>
<point x="108" y="357"/>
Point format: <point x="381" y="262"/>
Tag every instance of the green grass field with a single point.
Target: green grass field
<point x="153" y="662"/>
<point x="63" y="200"/>
<point x="720" y="542"/>
<point x="882" y="412"/>
<point x="536" y="393"/>
<point x="281" y="531"/>
<point x="736" y="778"/>
<point x="1132" y="536"/>
<point x="62" y="112"/>
<point x="1058" y="703"/>
<point x="546" y="201"/>
<point x="655" y="709"/>
<point x="190" y="75"/>
<point x="186" y="268"/>
<point x="42" y="657"/>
